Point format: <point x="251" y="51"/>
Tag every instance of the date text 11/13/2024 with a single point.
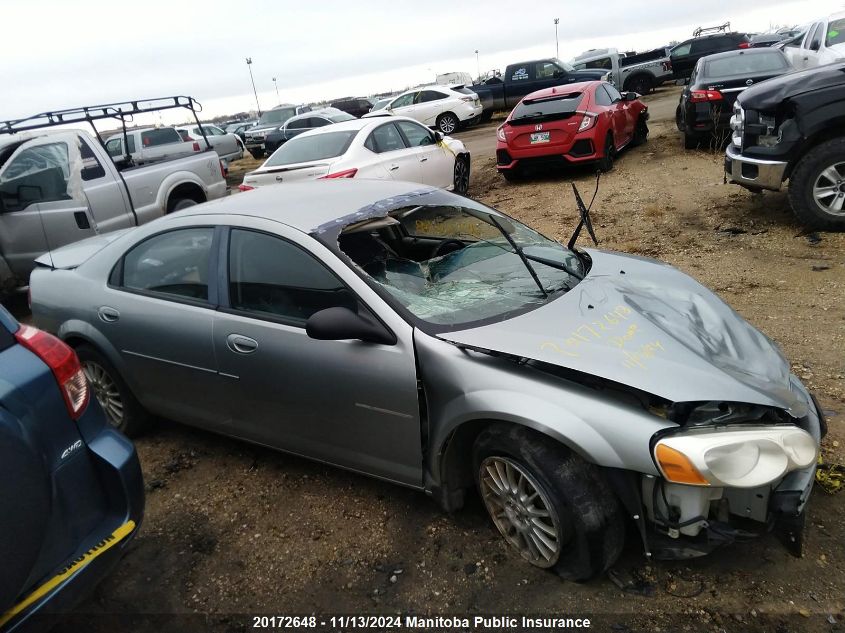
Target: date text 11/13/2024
<point x="382" y="622"/>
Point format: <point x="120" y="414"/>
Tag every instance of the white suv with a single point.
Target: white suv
<point x="445" y="107"/>
<point x="823" y="43"/>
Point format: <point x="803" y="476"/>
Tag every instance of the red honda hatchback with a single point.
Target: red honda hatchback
<point x="574" y="123"/>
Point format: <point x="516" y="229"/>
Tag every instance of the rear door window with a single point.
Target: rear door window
<point x="91" y="167"/>
<point x="273" y="277"/>
<point x="173" y="264"/>
<point x="430" y="95"/>
<point x="835" y="32"/>
<point x="161" y="136"/>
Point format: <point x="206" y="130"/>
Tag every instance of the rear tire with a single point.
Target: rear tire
<point x="448" y="123"/>
<point x="257" y="153"/>
<point x="641" y="85"/>
<point x="822" y="168"/>
<point x="691" y="141"/>
<point x="180" y="203"/>
<point x="122" y="409"/>
<point x="605" y="163"/>
<point x="571" y="522"/>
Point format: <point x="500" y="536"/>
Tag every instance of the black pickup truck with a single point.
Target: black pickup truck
<point x="503" y="93"/>
<point x="793" y="127"/>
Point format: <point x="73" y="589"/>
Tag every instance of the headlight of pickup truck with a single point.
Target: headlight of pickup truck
<point x="738" y="458"/>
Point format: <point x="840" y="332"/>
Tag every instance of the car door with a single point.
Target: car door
<point x="682" y="60"/>
<point x="345" y="402"/>
<point x="437" y="162"/>
<point x="396" y="159"/>
<point x="623" y="114"/>
<point x="811" y="54"/>
<point x="429" y="105"/>
<point x="158" y="312"/>
<point x="403" y="105"/>
<point x="42" y="205"/>
<point x="104" y="192"/>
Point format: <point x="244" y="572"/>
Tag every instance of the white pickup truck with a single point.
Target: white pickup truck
<point x="640" y="73"/>
<point x="146" y="145"/>
<point x="59" y="186"/>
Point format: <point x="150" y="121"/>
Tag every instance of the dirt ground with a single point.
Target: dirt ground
<point x="235" y="529"/>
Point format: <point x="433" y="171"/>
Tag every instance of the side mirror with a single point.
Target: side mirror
<point x="438" y="136"/>
<point x="337" y="324"/>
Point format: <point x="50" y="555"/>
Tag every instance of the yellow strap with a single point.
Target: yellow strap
<point x="118" y="535"/>
<point x="830" y="477"/>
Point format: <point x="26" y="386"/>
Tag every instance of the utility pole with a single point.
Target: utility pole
<point x="254" y="91"/>
<point x="557" y="47"/>
<point x="477" y="64"/>
<point x="277" y="91"/>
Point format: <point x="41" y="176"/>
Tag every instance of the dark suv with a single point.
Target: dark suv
<point x="685" y="55"/>
<point x="355" y="107"/>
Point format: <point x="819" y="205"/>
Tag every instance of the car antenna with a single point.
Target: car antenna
<point x="584" y="212"/>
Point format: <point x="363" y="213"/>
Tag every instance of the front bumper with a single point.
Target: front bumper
<point x="754" y="173"/>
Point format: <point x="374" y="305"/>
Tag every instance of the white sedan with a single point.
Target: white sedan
<point x="445" y="107"/>
<point x="396" y="148"/>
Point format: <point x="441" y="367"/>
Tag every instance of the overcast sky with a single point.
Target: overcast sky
<point x="63" y="54"/>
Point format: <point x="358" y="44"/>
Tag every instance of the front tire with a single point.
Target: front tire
<point x="641" y="85"/>
<point x="447" y="123"/>
<point x="122" y="409"/>
<point x="550" y="505"/>
<point x="817" y="187"/>
<point x="640" y="132"/>
<point x="460" y="179"/>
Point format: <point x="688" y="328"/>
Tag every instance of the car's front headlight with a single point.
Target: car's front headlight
<point x="736" y="458"/>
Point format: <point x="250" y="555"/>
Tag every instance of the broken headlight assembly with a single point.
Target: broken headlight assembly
<point x="741" y="457"/>
<point x="761" y="129"/>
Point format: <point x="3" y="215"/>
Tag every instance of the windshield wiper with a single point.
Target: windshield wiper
<point x="518" y="250"/>
<point x="553" y="264"/>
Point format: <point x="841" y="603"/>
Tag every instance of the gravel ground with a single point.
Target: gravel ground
<point x="237" y="529"/>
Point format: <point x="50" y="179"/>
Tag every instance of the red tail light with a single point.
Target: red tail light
<point x="500" y="133"/>
<point x="705" y="95"/>
<point x="196" y="146"/>
<point x="63" y="362"/>
<point x="347" y="173"/>
<point x="244" y="187"/>
<point x="745" y="45"/>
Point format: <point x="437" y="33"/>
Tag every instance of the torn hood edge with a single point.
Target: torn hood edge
<point x="770" y="94"/>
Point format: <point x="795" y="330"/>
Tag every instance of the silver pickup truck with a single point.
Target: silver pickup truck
<point x="60" y="186"/>
<point x="640" y="73"/>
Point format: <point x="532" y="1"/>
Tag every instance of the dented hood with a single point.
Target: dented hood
<point x="645" y="324"/>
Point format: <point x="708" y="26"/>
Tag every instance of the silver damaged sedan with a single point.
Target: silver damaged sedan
<point x="421" y="337"/>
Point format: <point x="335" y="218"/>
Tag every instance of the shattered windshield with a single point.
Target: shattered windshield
<point x="450" y="265"/>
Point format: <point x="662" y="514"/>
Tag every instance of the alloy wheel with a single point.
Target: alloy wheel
<point x="829" y="189"/>
<point x="448" y="124"/>
<point x="520" y="510"/>
<point x="106" y="392"/>
<point x="461" y="176"/>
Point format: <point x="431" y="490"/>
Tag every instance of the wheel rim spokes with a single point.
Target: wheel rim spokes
<point x="520" y="510"/>
<point x="829" y="189"/>
<point x="105" y="391"/>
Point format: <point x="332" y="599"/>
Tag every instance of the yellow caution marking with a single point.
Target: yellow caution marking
<point x="78" y="563"/>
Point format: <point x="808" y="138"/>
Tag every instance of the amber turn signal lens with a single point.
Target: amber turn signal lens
<point x="677" y="468"/>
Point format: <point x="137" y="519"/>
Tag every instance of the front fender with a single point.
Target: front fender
<point x="607" y="428"/>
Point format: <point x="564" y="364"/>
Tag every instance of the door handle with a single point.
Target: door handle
<point x="81" y="219"/>
<point x="423" y="159"/>
<point x="107" y="314"/>
<point x="393" y="167"/>
<point x="241" y="344"/>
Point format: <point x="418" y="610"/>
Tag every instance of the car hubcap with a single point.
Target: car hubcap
<point x="447" y="125"/>
<point x="105" y="390"/>
<point x="461" y="176"/>
<point x="520" y="510"/>
<point x="829" y="189"/>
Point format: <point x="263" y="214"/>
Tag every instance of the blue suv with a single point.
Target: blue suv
<point x="71" y="489"/>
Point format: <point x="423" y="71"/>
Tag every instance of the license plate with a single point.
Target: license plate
<point x="540" y="137"/>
